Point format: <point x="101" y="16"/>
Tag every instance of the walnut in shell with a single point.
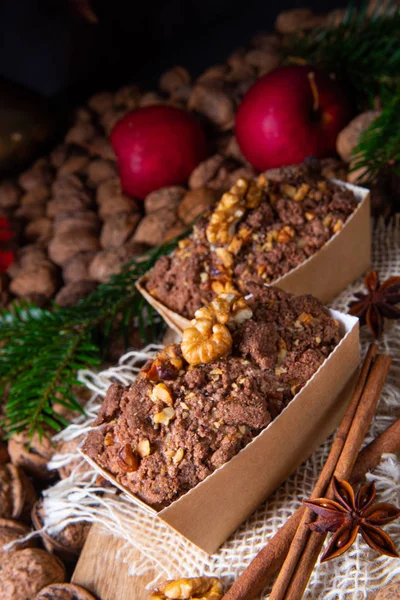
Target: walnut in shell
<point x="11" y="531"/>
<point x="69" y="450"/>
<point x="31" y="454"/>
<point x="17" y="495"/>
<point x="109" y="262"/>
<point x="68" y="543"/>
<point x="195" y="203"/>
<point x="349" y="137"/>
<point x="100" y="170"/>
<point x="168" y="197"/>
<point x="80" y="133"/>
<point x="118" y="228"/>
<point x="77" y="267"/>
<point x="64" y="591"/>
<point x="173" y="79"/>
<point x="65" y="245"/>
<point x="37" y="281"/>
<point x="205" y="171"/>
<point x="101" y="102"/>
<point x="9" y="194"/>
<point x="39" y="230"/>
<point x="153" y="228"/>
<point x="211" y="101"/>
<point x="26" y="572"/>
<point x="74" y="164"/>
<point x="297" y="19"/>
<point x="71" y="293"/>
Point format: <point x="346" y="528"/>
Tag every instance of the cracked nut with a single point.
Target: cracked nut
<point x="32" y="455"/>
<point x="11" y="531"/>
<point x="209" y="338"/>
<point x="64" y="591"/>
<point x="17" y="495"/>
<point x="231" y="208"/>
<point x="202" y="588"/>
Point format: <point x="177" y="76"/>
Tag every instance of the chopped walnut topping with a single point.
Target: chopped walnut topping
<point x="143" y="448"/>
<point x="225" y="257"/>
<point x="286" y="234"/>
<point x="165" y="416"/>
<point x="161" y="392"/>
<point x="231" y="209"/>
<point x="179" y="454"/>
<point x="109" y="439"/>
<point x="166" y="365"/>
<point x="337" y="226"/>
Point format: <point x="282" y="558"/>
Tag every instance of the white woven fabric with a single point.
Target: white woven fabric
<point x="352" y="576"/>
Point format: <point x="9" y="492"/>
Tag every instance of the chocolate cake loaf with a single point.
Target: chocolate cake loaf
<point x="198" y="403"/>
<point x="258" y="232"/>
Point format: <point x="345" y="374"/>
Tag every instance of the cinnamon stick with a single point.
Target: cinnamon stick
<point x="370" y="456"/>
<point x="303" y="533"/>
<point x="257" y="574"/>
<point x="358" y="430"/>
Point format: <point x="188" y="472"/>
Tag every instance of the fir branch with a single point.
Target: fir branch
<point x="363" y="51"/>
<point x="41" y="350"/>
<point x="378" y="150"/>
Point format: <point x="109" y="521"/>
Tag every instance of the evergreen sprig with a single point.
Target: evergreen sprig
<point x="42" y="350"/>
<point x="364" y="53"/>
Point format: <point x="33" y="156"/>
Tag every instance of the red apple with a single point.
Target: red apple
<point x="289" y="114"/>
<point x="157" y="146"/>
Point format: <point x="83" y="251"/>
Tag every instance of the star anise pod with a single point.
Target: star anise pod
<point x="349" y="515"/>
<point x="379" y="302"/>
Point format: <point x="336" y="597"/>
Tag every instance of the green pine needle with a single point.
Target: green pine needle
<point x="42" y="350"/>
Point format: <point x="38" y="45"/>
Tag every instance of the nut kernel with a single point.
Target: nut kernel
<point x="165" y="416"/>
<point x="162" y="393"/>
<point x="143" y="448"/>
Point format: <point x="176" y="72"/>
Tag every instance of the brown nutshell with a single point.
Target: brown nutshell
<point x="64" y="591"/>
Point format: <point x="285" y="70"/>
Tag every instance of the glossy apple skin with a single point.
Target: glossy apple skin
<point x="276" y="123"/>
<point x="157" y="146"/>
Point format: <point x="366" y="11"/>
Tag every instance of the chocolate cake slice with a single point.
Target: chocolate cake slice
<point x="198" y="403"/>
<point x="259" y="231"/>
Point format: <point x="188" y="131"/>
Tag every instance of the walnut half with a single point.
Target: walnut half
<point x="195" y="588"/>
<point x="208" y="337"/>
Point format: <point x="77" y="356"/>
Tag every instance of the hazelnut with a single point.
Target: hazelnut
<point x="168" y="197"/>
<point x="173" y="79"/>
<point x="205" y="171"/>
<point x="31" y="454"/>
<point x="153" y="227"/>
<point x="11" y="531"/>
<point x="101" y="102"/>
<point x="17" y="495"/>
<point x="77" y="267"/>
<point x="117" y="229"/>
<point x="70" y="294"/>
<point x="67" y="543"/>
<point x="64" y="591"/>
<point x="26" y="572"/>
<point x="9" y="195"/>
<point x="212" y="102"/>
<point x="64" y="245"/>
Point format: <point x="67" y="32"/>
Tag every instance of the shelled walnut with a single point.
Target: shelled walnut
<point x="206" y="588"/>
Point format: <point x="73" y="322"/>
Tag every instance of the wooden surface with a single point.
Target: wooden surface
<point x="99" y="571"/>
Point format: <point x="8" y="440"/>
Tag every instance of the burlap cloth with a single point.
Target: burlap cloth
<point x="353" y="576"/>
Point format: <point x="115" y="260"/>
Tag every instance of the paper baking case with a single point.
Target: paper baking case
<point x="344" y="257"/>
<point x="213" y="509"/>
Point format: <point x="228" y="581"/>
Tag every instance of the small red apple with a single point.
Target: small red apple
<point x="289" y="114"/>
<point x="157" y="146"/>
